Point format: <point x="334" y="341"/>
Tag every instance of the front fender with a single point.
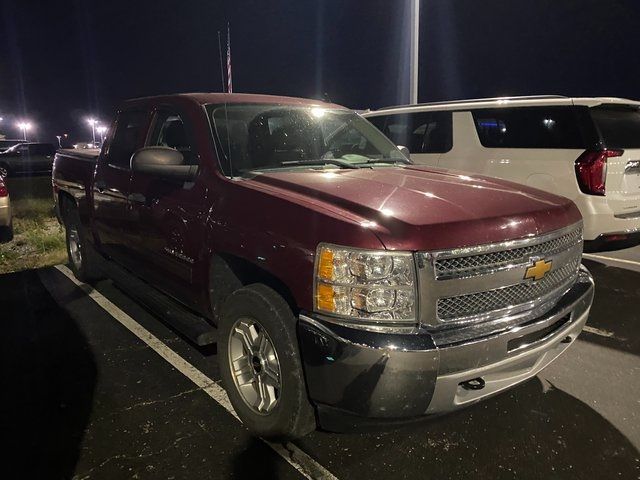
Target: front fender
<point x="280" y="237"/>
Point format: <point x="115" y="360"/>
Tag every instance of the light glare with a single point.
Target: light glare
<point x="318" y="112"/>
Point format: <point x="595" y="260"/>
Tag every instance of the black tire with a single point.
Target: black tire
<point x="6" y="233"/>
<point x="84" y="262"/>
<point x="292" y="416"/>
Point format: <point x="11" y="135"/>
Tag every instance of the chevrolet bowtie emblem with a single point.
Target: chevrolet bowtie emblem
<point x="538" y="270"/>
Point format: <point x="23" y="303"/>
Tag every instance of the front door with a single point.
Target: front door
<point x="111" y="185"/>
<point x="167" y="216"/>
<point x="36" y="157"/>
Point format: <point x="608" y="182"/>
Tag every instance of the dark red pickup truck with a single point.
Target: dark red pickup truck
<point x="344" y="285"/>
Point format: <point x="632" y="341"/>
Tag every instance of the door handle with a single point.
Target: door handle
<point x="100" y="185"/>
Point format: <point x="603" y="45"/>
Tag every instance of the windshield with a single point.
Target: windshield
<point x="267" y="136"/>
<point x="619" y="125"/>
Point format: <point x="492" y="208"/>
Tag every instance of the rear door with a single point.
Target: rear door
<point x="427" y="135"/>
<point x="619" y="129"/>
<point x="111" y="185"/>
<point x="167" y="217"/>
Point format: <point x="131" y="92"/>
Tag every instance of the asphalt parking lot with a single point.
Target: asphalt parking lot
<point x="96" y="387"/>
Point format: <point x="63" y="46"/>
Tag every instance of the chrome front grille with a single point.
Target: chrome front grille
<point x="470" y="265"/>
<point x="451" y="308"/>
<point x="493" y="283"/>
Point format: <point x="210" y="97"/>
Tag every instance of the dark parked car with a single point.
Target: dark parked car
<point x="348" y="286"/>
<point x="28" y="158"/>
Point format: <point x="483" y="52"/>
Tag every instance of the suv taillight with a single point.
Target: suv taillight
<point x="591" y="170"/>
<point x="3" y="190"/>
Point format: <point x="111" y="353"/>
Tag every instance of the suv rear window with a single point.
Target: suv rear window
<point x="619" y="125"/>
<point x="420" y="132"/>
<point x="529" y="127"/>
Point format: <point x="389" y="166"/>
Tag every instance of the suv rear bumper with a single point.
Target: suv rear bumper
<point x="613" y="241"/>
<point x="600" y="221"/>
<point x="359" y="378"/>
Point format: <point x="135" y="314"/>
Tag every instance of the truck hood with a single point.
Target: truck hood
<point x="422" y="208"/>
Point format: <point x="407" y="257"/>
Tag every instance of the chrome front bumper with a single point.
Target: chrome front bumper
<point x="357" y="377"/>
<point x="514" y="356"/>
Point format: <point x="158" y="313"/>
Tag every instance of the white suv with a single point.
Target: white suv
<point x="586" y="149"/>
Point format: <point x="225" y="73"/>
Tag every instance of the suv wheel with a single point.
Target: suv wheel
<point x="82" y="259"/>
<point x="260" y="364"/>
<point x="6" y="233"/>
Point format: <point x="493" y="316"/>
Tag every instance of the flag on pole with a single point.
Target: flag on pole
<point x="229" y="82"/>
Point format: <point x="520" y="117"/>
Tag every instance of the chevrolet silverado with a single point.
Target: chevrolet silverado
<point x="344" y="285"/>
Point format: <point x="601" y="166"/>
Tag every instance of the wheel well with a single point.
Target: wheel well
<point x="228" y="273"/>
<point x="65" y="204"/>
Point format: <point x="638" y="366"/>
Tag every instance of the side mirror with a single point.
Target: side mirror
<point x="163" y="162"/>
<point x="405" y="151"/>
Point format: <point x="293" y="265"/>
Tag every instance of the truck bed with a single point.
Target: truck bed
<point x="90" y="154"/>
<point x="73" y="175"/>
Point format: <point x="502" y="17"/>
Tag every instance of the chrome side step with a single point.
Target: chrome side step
<point x="189" y="324"/>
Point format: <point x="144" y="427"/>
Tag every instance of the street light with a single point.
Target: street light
<point x="93" y="122"/>
<point x="24" y="126"/>
<point x="413" y="51"/>
<point x="101" y="130"/>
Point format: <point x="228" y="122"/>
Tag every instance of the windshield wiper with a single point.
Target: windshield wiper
<point x="320" y="161"/>
<point x="389" y="160"/>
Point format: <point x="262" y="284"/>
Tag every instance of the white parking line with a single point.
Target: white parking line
<point x="302" y="462"/>
<point x="591" y="256"/>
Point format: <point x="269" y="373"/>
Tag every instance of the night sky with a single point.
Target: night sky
<point x="62" y="61"/>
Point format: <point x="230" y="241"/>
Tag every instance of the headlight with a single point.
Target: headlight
<point x="367" y="285"/>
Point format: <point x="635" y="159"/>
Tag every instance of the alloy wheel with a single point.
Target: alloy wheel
<point x="255" y="367"/>
<point x="75" y="248"/>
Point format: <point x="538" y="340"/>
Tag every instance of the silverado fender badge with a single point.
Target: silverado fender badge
<point x="538" y="270"/>
<point x="177" y="254"/>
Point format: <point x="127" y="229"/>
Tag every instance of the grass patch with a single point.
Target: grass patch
<point x="38" y="238"/>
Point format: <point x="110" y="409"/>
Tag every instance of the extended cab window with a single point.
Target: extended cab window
<point x="529" y="127"/>
<point x="128" y="137"/>
<point x="420" y="132"/>
<point x="170" y="131"/>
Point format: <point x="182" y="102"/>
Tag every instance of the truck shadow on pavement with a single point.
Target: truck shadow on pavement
<point x="256" y="462"/>
<point x="49" y="376"/>
<point x="535" y="431"/>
